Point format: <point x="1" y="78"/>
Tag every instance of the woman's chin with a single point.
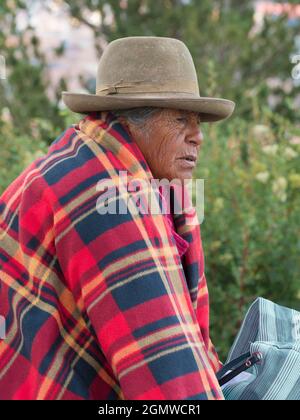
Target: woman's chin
<point x="185" y="174"/>
<point x="181" y="174"/>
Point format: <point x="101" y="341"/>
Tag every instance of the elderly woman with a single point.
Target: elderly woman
<point x="111" y="305"/>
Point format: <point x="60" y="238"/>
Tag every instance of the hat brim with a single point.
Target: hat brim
<point x="210" y="109"/>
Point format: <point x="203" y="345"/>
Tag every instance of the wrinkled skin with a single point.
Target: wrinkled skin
<point x="165" y="139"/>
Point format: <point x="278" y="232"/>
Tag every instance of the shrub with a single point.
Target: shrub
<point x="250" y="231"/>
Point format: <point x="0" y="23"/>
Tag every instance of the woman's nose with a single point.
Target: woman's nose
<point x="195" y="136"/>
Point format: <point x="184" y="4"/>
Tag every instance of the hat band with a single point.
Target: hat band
<point x="187" y="87"/>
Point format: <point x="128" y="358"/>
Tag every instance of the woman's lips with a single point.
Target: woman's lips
<point x="188" y="162"/>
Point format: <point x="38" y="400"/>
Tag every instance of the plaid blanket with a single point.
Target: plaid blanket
<point x="98" y="306"/>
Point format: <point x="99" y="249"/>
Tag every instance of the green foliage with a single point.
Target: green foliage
<point x="251" y="229"/>
<point x="24" y="91"/>
<point x="18" y="151"/>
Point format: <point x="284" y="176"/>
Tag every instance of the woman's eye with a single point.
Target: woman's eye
<point x="184" y="120"/>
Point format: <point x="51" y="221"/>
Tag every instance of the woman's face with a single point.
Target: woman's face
<point x="170" y="143"/>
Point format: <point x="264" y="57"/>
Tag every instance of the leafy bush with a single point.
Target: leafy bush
<point x="250" y="231"/>
<point x="19" y="149"/>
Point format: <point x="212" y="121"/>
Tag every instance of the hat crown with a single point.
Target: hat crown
<point x="146" y="64"/>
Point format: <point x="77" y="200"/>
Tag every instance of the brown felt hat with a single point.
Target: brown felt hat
<point x="144" y="71"/>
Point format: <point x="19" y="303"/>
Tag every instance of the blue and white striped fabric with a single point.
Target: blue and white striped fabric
<point x="274" y="331"/>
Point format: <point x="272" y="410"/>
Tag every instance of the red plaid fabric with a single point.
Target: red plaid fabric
<point x="99" y="306"/>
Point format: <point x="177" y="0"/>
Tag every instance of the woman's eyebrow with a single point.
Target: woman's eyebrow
<point x="191" y="113"/>
<point x="186" y="113"/>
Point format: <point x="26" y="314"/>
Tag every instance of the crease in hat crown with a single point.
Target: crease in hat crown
<point x="148" y="71"/>
<point x="146" y="65"/>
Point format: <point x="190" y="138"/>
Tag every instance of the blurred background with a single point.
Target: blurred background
<point x="247" y="51"/>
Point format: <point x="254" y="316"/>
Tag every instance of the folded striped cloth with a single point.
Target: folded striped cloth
<point x="273" y="331"/>
<point x="100" y="305"/>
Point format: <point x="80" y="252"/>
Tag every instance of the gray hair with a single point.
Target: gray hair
<point x="137" y="116"/>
